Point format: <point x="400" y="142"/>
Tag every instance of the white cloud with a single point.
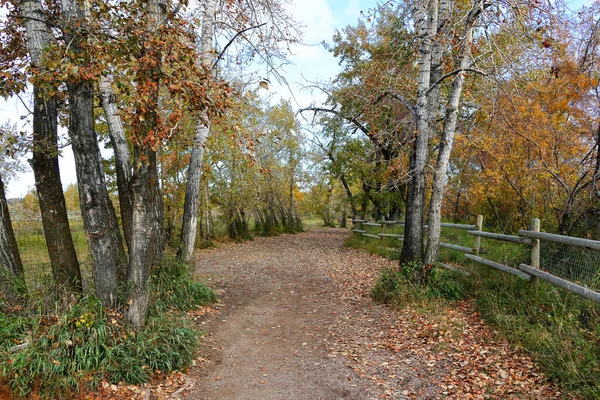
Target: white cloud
<point x="353" y="9"/>
<point x="316" y="17"/>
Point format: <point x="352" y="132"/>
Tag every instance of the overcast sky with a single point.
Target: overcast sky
<point x="320" y="18"/>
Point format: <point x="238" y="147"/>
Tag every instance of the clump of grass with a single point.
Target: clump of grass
<point x="70" y="353"/>
<point x="408" y="284"/>
<point x="174" y="288"/>
<point x="205" y="244"/>
<point x="560" y="330"/>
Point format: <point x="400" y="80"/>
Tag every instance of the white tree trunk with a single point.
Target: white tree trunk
<point x="447" y="140"/>
<point x="122" y="156"/>
<point x="192" y="189"/>
<point x="100" y="221"/>
<point x="412" y="248"/>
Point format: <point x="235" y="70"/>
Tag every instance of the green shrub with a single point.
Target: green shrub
<point x="447" y="284"/>
<point x="388" y="286"/>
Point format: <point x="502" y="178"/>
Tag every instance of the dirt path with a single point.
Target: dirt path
<point x="296" y="322"/>
<point x="279" y="304"/>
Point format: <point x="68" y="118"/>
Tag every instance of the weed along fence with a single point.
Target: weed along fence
<point x="564" y="261"/>
<point x="365" y="228"/>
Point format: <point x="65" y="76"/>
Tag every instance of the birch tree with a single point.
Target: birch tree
<point x="425" y="16"/>
<point x="192" y="189"/>
<point x="120" y="147"/>
<point x="449" y="131"/>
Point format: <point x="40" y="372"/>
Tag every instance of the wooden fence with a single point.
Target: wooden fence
<point x="530" y="238"/>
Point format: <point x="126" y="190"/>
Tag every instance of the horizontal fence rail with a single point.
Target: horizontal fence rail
<point x="568" y="240"/>
<point x="498" y="236"/>
<point x="455" y="269"/>
<point x="498" y="266"/>
<point x="391" y="235"/>
<point x="371" y="236"/>
<point x="456" y="247"/>
<point x="457" y="226"/>
<point x="588" y="272"/>
<point x="563" y="283"/>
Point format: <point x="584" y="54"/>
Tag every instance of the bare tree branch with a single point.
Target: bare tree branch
<point x="449" y="74"/>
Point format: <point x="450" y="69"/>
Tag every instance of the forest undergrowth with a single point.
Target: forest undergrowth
<point x="48" y="353"/>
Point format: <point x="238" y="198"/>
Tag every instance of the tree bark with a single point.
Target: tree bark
<point x="192" y="192"/>
<point x="447" y="141"/>
<point x="11" y="269"/>
<point x="343" y="223"/>
<point x="443" y="26"/>
<point x="59" y="241"/>
<point x="192" y="189"/>
<point x="99" y="217"/>
<point x="147" y="221"/>
<point x="143" y="238"/>
<point x="122" y="157"/>
<point x="412" y="248"/>
<point x="350" y="196"/>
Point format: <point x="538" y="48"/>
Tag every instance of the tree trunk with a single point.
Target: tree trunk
<point x="192" y="192"/>
<point x="363" y="208"/>
<point x="437" y="65"/>
<point x="447" y="141"/>
<point x="290" y="221"/>
<point x="350" y="196"/>
<point x="148" y="214"/>
<point x="99" y="217"/>
<point x="122" y="157"/>
<point x="412" y="248"/>
<point x="61" y="250"/>
<point x="192" y="189"/>
<point x="206" y="212"/>
<point x="144" y="236"/>
<point x="12" y="282"/>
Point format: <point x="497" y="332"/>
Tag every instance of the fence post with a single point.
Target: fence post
<point x="477" y="240"/>
<point x="535" y="247"/>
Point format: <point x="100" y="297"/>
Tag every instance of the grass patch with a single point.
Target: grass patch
<point x="405" y="286"/>
<point x="175" y="288"/>
<point x="70" y="353"/>
<point x="560" y="330"/>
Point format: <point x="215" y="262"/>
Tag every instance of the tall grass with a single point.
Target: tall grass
<point x="34" y="253"/>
